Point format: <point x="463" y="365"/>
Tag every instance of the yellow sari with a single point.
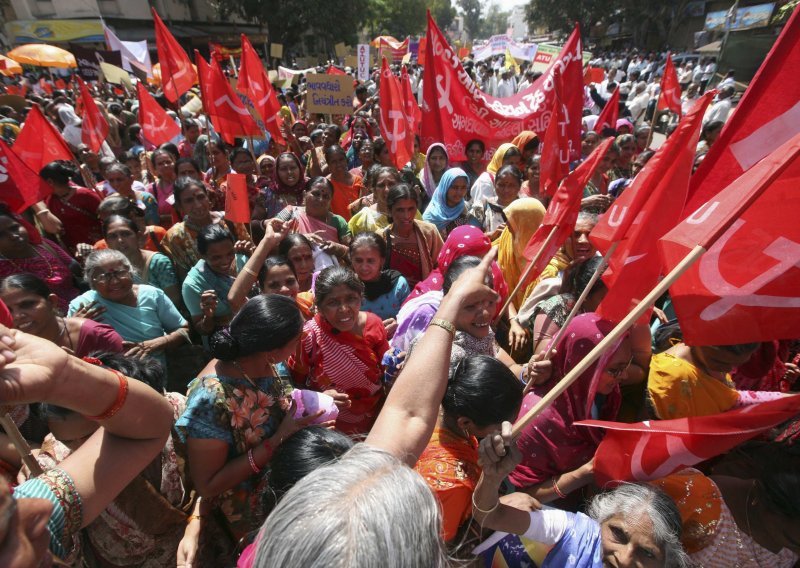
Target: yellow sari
<point x="678" y="389"/>
<point x="524" y="217"/>
<point x="497" y="159"/>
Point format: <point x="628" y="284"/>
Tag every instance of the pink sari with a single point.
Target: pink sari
<point x="551" y="444"/>
<point x="307" y="225"/>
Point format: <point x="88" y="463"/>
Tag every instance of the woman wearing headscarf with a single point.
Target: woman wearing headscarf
<point x="436" y="163"/>
<point x="286" y="186"/>
<point x="528" y="143"/>
<point x="524" y="217"/>
<point x="557" y="459"/>
<point x="448" y="209"/>
<point x="483" y="189"/>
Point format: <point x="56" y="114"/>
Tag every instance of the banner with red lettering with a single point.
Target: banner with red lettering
<point x="157" y="126"/>
<point x="20" y="187"/>
<point x="653" y="449"/>
<point x="745" y="287"/>
<point x="254" y="83"/>
<point x="767" y="116"/>
<point x="94" y="127"/>
<point x="555" y="158"/>
<point x="455" y="111"/>
<point x="395" y="122"/>
<point x="670" y="97"/>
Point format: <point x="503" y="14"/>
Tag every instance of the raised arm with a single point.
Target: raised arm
<point x="406" y="422"/>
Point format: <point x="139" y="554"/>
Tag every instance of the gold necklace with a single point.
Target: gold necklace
<point x="278" y="382"/>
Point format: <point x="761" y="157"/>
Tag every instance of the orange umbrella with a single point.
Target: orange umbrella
<point x="156" y="78"/>
<point x="9" y="67"/>
<point x="42" y="55"/>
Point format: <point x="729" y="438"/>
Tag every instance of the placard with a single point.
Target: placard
<point x="363" y="61"/>
<point x="276" y="50"/>
<point x="351" y="61"/>
<point x="329" y="94"/>
<point x="340" y="49"/>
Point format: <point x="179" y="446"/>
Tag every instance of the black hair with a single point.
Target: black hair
<point x="369" y="239"/>
<point x="127" y="221"/>
<point x="376" y="170"/>
<point x="739" y="349"/>
<point x="171" y="148"/>
<point x="118" y="205"/>
<point x="709" y="127"/>
<point x="334" y="276"/>
<point x="293" y="240"/>
<point x="218" y="142"/>
<point x="400" y="192"/>
<point x="269" y="264"/>
<point x="457" y="268"/>
<point x="511" y="152"/>
<point x="511" y="170"/>
<point x="333" y="149"/>
<point x="118" y="167"/>
<point x="319" y="179"/>
<point x="190" y="123"/>
<point x="378" y="144"/>
<point x="484" y="390"/>
<point x="58" y="171"/>
<point x="183" y="183"/>
<point x="477" y="141"/>
<point x="212" y="234"/>
<point x="127" y="157"/>
<point x="147" y="369"/>
<point x="26" y="281"/>
<point x="192" y="161"/>
<point x="264" y="323"/>
<point x="236" y="151"/>
<point x="298" y="455"/>
<point x="159" y="152"/>
<point x="336" y="129"/>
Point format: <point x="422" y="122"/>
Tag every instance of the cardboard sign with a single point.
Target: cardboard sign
<point x="276" y="50"/>
<point x="329" y="94"/>
<point x="362" y="53"/>
<point x="340" y="49"/>
<point x="351" y="61"/>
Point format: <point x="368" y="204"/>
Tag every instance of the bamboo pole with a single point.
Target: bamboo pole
<point x="609" y="339"/>
<point x="579" y="302"/>
<point x="20" y="444"/>
<point x="528" y="270"/>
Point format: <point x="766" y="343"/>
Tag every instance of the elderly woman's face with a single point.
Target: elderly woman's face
<point x="13" y="236"/>
<point x="24" y="538"/>
<point x="628" y="542"/>
<point x="113" y="281"/>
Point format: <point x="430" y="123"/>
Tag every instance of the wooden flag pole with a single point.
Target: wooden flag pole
<point x="609" y="339"/>
<point x="528" y="270"/>
<point x="579" y="302"/>
<point x="20" y="443"/>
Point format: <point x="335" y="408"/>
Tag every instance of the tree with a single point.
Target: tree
<point x="560" y="16"/>
<point x="496" y="21"/>
<point x="398" y="18"/>
<point x="442" y="11"/>
<point x="471" y="10"/>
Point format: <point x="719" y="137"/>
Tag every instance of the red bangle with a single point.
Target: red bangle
<point x="122" y="396"/>
<point x="557" y="490"/>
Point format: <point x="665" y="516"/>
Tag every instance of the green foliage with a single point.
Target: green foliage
<point x="496" y="21"/>
<point x="560" y="16"/>
<point x="442" y="11"/>
<point x="471" y="10"/>
<point x="398" y="18"/>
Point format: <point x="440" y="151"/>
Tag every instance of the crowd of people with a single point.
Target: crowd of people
<point x="334" y="382"/>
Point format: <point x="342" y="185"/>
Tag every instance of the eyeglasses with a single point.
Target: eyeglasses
<point x="617" y="373"/>
<point x="107" y="277"/>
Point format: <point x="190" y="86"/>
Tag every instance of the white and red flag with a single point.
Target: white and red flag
<point x="652" y="449"/>
<point x="412" y="107"/>
<point x="94" y="127"/>
<point x="745" y="287"/>
<point x="177" y="73"/>
<point x="395" y="121"/>
<point x="255" y="85"/>
<point x="610" y="113"/>
<point x="670" y="97"/>
<point x="157" y="126"/>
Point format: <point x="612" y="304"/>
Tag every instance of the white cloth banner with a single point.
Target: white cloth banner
<point x="362" y="53"/>
<point x="497" y="46"/>
<point x="286" y="73"/>
<point x="133" y="52"/>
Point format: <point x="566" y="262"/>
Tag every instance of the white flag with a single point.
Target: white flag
<point x="133" y="52"/>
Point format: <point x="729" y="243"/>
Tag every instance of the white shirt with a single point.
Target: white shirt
<point x="718" y="111"/>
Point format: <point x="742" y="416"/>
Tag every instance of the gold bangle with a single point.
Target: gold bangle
<point x="250" y="271"/>
<point x="489" y="512"/>
<point x="445" y="325"/>
<point x="191" y="518"/>
<point x="40" y="211"/>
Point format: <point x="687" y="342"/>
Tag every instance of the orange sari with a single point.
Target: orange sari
<point x="344" y="195"/>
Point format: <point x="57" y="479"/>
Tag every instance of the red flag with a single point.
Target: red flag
<point x="157" y="126"/>
<point x="744" y="289"/>
<point x="46" y="86"/>
<point x="39" y="142"/>
<point x="255" y="84"/>
<point x="223" y="106"/>
<point x="60" y="84"/>
<point x="237" y="205"/>
<point x="670" y="97"/>
<point x="20" y="90"/>
<point x="644" y="212"/>
<point x="610" y="113"/>
<point x="413" y="111"/>
<point x="563" y="210"/>
<point x="20" y="186"/>
<point x="395" y="122"/>
<point x="333" y="70"/>
<point x="455" y="111"/>
<point x="654" y="449"/>
<point x="94" y="127"/>
<point x="177" y="73"/>
<point x="556" y="149"/>
<point x="767" y="116"/>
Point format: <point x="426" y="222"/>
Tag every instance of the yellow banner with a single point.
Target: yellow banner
<point x="47" y="31"/>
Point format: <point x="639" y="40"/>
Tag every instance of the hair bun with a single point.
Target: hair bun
<point x="223" y="345"/>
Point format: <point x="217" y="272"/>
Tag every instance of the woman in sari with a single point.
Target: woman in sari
<point x="347" y="188"/>
<point x="120" y="178"/>
<point x="242" y="162"/>
<point x="474" y="165"/>
<point x="436" y="163"/>
<point x="285" y="189"/>
<point x="507" y="188"/>
<point x="524" y="216"/>
<point x="22" y="249"/>
<point x="528" y="143"/>
<point x="623" y="167"/>
<point x="341" y="349"/>
<point x="374" y="217"/>
<point x="506" y="155"/>
<point x="215" y="176"/>
<point x="206" y="287"/>
<point x="299" y="251"/>
<point x="366" y="155"/>
<point x="412" y="245"/>
<point x="695" y="381"/>
<point x="447" y="208"/>
<point x="162" y="188"/>
<point x="449" y="462"/>
<point x="236" y="416"/>
<point x="150" y="267"/>
<point x="35" y="310"/>
<point x="74" y="206"/>
<point x="557" y="456"/>
<point x="191" y="197"/>
<point x="530" y="187"/>
<point x="151" y="235"/>
<point x="385" y="290"/>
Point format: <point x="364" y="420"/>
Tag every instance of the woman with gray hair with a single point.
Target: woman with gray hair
<point x="367" y="509"/>
<point x="143" y="315"/>
<point x="633" y="526"/>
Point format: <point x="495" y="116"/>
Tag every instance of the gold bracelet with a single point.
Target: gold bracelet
<point x="191" y="518"/>
<point x="42" y="211"/>
<point x="489" y="512"/>
<point x="250" y="271"/>
<point x="445" y="325"/>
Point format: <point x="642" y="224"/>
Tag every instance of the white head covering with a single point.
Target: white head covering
<point x="67" y="115"/>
